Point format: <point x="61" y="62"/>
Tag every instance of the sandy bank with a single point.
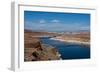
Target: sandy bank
<point x="71" y="41"/>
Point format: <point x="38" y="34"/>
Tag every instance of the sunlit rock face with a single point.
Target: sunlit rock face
<point x="34" y="50"/>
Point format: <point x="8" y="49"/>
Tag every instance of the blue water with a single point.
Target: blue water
<point x="69" y="50"/>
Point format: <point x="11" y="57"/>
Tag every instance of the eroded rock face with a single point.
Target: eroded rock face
<point x="36" y="54"/>
<point x="34" y="50"/>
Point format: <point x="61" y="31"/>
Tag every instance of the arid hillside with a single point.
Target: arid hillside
<point x="34" y="50"/>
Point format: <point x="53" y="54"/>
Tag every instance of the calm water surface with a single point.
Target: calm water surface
<point x="69" y="50"/>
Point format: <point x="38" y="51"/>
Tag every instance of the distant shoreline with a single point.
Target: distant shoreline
<point x="72" y="41"/>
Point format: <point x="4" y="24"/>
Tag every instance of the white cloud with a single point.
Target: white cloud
<point x="55" y="21"/>
<point x="42" y="21"/>
<point x="45" y="26"/>
<point x="85" y="28"/>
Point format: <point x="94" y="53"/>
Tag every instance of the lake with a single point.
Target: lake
<point x="68" y="50"/>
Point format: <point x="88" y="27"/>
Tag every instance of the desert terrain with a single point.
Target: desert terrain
<point x="34" y="50"/>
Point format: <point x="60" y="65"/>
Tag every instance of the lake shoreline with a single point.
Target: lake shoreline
<point x="69" y="50"/>
<point x="71" y="41"/>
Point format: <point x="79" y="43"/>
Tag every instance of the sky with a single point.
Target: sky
<point x="56" y="21"/>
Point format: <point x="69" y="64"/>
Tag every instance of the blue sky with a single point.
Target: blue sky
<point x="56" y="22"/>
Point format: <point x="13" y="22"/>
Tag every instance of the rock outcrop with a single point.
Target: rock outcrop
<point x="34" y="50"/>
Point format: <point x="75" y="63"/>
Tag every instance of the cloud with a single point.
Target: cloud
<point x="45" y="26"/>
<point x="85" y="28"/>
<point x="55" y="21"/>
<point x="42" y="21"/>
